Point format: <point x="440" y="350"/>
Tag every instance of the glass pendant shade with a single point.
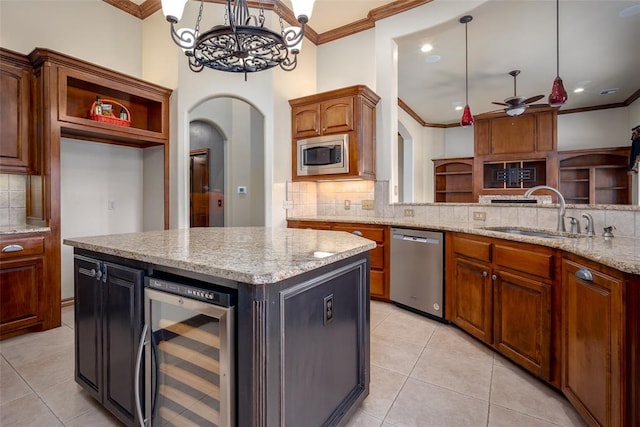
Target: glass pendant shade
<point x="558" y="95"/>
<point x="302" y="8"/>
<point x="467" y="119"/>
<point x="173" y="9"/>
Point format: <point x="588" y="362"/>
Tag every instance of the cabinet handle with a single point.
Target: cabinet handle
<point x="12" y="248"/>
<point x="485" y="274"/>
<point x="136" y="375"/>
<point x="584" y="274"/>
<point x="357" y="233"/>
<point x="494" y="277"/>
<point x="91" y="273"/>
<point x="97" y="274"/>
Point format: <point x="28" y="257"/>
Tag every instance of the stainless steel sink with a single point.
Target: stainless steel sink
<point x="534" y="233"/>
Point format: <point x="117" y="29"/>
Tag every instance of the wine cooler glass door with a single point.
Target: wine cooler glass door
<point x="189" y="362"/>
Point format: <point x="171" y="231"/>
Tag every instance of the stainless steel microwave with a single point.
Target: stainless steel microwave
<point x="323" y="155"/>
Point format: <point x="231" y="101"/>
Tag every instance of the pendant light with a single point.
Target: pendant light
<point x="467" y="118"/>
<point x="558" y="94"/>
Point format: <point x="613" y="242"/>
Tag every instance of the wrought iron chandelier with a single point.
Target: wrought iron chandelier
<point x="243" y="44"/>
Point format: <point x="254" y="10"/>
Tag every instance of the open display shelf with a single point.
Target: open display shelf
<point x="580" y="170"/>
<point x="454" y="180"/>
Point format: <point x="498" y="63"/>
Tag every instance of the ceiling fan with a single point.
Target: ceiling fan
<point x="516" y="105"/>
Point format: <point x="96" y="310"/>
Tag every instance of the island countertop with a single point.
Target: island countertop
<point x="254" y="255"/>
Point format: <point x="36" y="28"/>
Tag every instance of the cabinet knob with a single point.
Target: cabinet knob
<point x="494" y="277"/>
<point x="485" y="274"/>
<point x="357" y="233"/>
<point x="584" y="274"/>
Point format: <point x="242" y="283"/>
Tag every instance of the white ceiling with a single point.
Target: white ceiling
<point x="599" y="50"/>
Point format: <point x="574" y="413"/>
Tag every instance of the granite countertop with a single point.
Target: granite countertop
<point x="621" y="253"/>
<point x="254" y="255"/>
<point x="22" y="229"/>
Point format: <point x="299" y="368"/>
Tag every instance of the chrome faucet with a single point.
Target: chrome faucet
<point x="562" y="208"/>
<point x="589" y="229"/>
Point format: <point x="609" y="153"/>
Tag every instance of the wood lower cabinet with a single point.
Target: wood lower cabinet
<point x="502" y="293"/>
<point x="600" y="343"/>
<point x="29" y="300"/>
<point x="108" y="324"/>
<point x="379" y="257"/>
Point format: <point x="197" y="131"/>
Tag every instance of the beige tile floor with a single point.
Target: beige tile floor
<point x="423" y="373"/>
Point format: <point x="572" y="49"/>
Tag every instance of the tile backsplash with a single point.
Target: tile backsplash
<point x="13" y="199"/>
<point x="327" y="199"/>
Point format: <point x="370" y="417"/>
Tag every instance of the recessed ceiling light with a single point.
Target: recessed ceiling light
<point x="578" y="90"/>
<point x="608" y="91"/>
<point x="432" y="59"/>
<point x="459" y="107"/>
<point x="426" y="47"/>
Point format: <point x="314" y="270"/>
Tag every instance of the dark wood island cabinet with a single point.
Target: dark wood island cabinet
<point x="300" y="319"/>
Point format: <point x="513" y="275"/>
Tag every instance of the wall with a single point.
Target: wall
<point x="594" y="129"/>
<point x="101" y="193"/>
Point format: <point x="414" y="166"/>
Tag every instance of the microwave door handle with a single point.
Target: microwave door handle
<point x="141" y="345"/>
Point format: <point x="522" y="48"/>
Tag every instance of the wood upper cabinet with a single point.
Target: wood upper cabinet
<point x="17" y="140"/>
<point x="529" y="133"/>
<point x="324" y="118"/>
<point x="502" y="293"/>
<point x="379" y="257"/>
<point x="351" y="111"/>
<point x="593" y="324"/>
<point x="24" y="302"/>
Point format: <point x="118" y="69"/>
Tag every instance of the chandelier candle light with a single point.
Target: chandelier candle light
<point x="558" y="95"/>
<point x="243" y="44"/>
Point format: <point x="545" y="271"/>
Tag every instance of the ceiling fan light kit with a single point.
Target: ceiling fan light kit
<point x="558" y="94"/>
<point x="243" y="44"/>
<point x="467" y="118"/>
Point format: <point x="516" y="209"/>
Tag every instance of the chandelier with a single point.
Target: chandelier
<point x="243" y="44"/>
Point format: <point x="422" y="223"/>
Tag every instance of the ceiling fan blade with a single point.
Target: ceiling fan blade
<point x="533" y="99"/>
<point x="538" y="105"/>
<point x="500" y="103"/>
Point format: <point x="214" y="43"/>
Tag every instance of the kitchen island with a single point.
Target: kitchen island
<point x="301" y="322"/>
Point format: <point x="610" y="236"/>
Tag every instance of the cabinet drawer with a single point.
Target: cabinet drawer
<point x="472" y="248"/>
<point x="535" y="263"/>
<point x="376" y="234"/>
<point x="30" y="246"/>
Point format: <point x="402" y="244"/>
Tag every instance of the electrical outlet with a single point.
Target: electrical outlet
<point x="328" y="309"/>
<point x="241" y="189"/>
<point x="479" y="216"/>
<point x="367" y="205"/>
<point x="409" y="212"/>
<point x="347" y="205"/>
<point x="287" y="204"/>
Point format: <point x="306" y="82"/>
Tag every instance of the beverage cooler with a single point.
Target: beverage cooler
<point x="188" y="348"/>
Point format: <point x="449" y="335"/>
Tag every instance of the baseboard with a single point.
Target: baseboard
<point x="67" y="302"/>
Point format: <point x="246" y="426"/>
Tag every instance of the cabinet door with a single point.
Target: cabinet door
<point x="15" y="138"/>
<point x="513" y="135"/>
<point x="337" y="115"/>
<point x="306" y="121"/>
<point x="88" y="316"/>
<point x="472" y="295"/>
<point x="121" y="328"/>
<point x="592" y="321"/>
<point x="522" y="321"/>
<point x="21" y="286"/>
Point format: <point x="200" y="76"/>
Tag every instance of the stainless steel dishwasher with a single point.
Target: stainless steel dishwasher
<point x="417" y="270"/>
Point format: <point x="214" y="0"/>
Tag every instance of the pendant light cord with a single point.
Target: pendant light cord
<point x="466" y="66"/>
<point x="557" y="38"/>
